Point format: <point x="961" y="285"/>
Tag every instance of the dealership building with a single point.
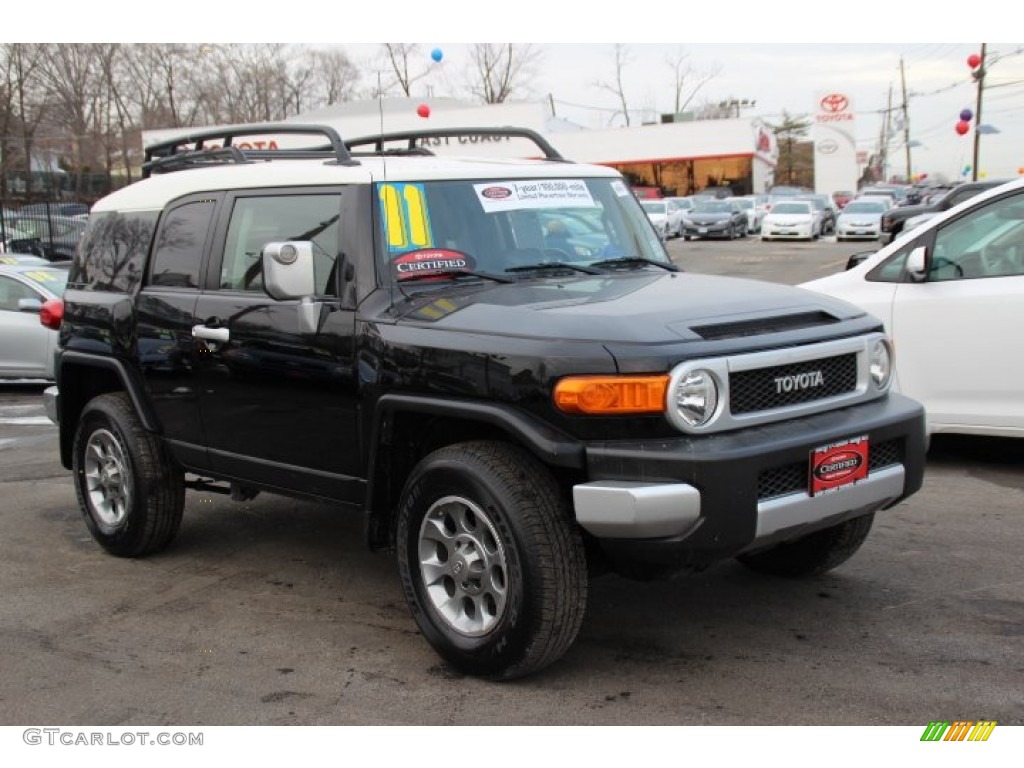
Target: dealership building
<point x="679" y="158"/>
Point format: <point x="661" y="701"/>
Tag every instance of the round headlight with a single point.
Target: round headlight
<point x="880" y="363"/>
<point x="694" y="398"/>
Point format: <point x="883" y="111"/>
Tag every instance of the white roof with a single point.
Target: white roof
<point x="155" y="192"/>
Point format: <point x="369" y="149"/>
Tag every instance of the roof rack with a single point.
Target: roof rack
<point x="378" y="141"/>
<point x="173" y="155"/>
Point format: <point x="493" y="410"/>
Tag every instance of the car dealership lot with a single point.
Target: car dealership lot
<point x="272" y="612"/>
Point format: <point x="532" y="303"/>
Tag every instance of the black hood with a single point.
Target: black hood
<point x="641" y="307"/>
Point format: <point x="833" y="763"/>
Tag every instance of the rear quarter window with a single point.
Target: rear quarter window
<point x="112" y="253"/>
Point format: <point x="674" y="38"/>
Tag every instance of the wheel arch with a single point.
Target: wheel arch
<point x="406" y="428"/>
<point x="80" y="378"/>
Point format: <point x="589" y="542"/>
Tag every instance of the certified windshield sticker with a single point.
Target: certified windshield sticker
<point x="431" y="261"/>
<point x="620" y="189"/>
<point x="403" y="209"/>
<point x="497" y="196"/>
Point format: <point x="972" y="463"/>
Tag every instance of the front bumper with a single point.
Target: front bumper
<point x="796" y="232"/>
<point x="718" y="229"/>
<point x="869" y="232"/>
<point x="693" y="500"/>
<point x="51" y="404"/>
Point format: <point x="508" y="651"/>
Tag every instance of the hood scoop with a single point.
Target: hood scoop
<point x="763" y="325"/>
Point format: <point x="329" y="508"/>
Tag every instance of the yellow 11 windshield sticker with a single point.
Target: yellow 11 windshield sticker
<point x="406" y="220"/>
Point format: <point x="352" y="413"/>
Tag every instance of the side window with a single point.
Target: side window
<point x="987" y="242"/>
<point x="11" y="291"/>
<point x="113" y="251"/>
<point x="891" y="270"/>
<point x="256" y="221"/>
<point x="178" y="253"/>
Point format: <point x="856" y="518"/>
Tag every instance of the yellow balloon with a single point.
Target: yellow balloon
<point x="982" y="175"/>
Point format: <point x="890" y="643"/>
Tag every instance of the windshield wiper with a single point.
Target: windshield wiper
<point x="549" y="265"/>
<point x="630" y="261"/>
<point x="452" y="275"/>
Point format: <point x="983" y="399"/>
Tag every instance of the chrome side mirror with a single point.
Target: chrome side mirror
<point x="917" y="266"/>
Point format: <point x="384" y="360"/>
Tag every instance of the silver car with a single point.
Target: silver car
<point x="861" y="219"/>
<point x="26" y="347"/>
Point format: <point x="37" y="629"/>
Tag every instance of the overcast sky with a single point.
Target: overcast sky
<point x="826" y="57"/>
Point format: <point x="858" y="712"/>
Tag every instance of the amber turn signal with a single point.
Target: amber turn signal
<point x="611" y="395"/>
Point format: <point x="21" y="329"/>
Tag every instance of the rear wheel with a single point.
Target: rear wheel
<point x="130" y="490"/>
<point x="491" y="562"/>
<point x="813" y="554"/>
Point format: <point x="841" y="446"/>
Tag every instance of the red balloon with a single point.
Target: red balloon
<point x="973" y="61"/>
<point x="963" y="127"/>
<point x="423" y="110"/>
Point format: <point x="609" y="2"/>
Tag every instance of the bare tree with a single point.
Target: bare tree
<point x="622" y="58"/>
<point x="399" y="57"/>
<point x="687" y="80"/>
<point x="21" y="107"/>
<point x="335" y="77"/>
<point x="498" y="70"/>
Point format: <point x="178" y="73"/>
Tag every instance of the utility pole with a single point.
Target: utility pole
<point x="906" y="118"/>
<point x="977" y="114"/>
<point x="883" y="138"/>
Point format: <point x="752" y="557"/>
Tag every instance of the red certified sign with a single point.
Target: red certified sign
<point x="838" y="464"/>
<point x="497" y="193"/>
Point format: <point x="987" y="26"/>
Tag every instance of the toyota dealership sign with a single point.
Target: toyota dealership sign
<point x="835" y="143"/>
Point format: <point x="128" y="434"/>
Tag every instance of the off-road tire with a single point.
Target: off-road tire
<point x="500" y="505"/>
<point x="131" y="492"/>
<point x="813" y="554"/>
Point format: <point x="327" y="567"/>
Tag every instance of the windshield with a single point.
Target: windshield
<point x="653" y="207"/>
<point x="745" y="203"/>
<point x="864" y="207"/>
<point x="803" y="208"/>
<point x="497" y="228"/>
<point x="711" y="206"/>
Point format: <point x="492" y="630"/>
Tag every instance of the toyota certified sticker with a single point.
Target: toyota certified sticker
<point x="497" y="193"/>
<point x="431" y="261"/>
<point x="838" y="464"/>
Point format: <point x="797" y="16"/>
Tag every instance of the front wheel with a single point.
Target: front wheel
<point x="491" y="562"/>
<point x="813" y="554"/>
<point x="130" y="490"/>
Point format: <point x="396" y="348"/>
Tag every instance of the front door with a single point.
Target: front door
<point x="278" y="403"/>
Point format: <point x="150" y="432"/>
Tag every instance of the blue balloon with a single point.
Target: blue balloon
<point x="436" y="54"/>
<point x="966" y="115"/>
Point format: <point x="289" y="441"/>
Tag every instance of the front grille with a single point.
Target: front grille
<point x="776" y="387"/>
<point x="793" y="478"/>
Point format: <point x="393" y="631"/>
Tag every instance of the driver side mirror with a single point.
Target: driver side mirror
<point x="29" y="305"/>
<point x="917" y="266"/>
<point x="288" y="269"/>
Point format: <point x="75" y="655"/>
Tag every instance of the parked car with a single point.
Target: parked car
<point x="384" y="332"/>
<point x="893" y="221"/>
<point x="886" y="196"/>
<point x="666" y="217"/>
<point x="26" y="347"/>
<point x="792" y="220"/>
<point x="951" y="294"/>
<point x="711" y="217"/>
<point x="58" y="235"/>
<point x="860" y="220"/>
<point x="54" y="209"/>
<point x="16" y="240"/>
<point x="826" y="211"/>
<point x="14" y="259"/>
<point x="749" y="207"/>
<point x="685" y="203"/>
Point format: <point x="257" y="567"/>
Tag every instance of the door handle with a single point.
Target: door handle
<point x="210" y="334"/>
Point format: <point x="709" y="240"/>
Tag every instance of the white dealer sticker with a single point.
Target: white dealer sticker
<point x="546" y="193"/>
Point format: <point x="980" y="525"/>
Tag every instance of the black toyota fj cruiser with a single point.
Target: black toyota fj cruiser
<point x="495" y="361"/>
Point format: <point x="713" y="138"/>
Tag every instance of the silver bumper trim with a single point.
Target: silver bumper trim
<point x="873" y="492"/>
<point x="51" y="395"/>
<point x="617" y="509"/>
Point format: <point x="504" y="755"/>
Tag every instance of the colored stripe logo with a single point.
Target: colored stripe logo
<point x="958" y="730"/>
